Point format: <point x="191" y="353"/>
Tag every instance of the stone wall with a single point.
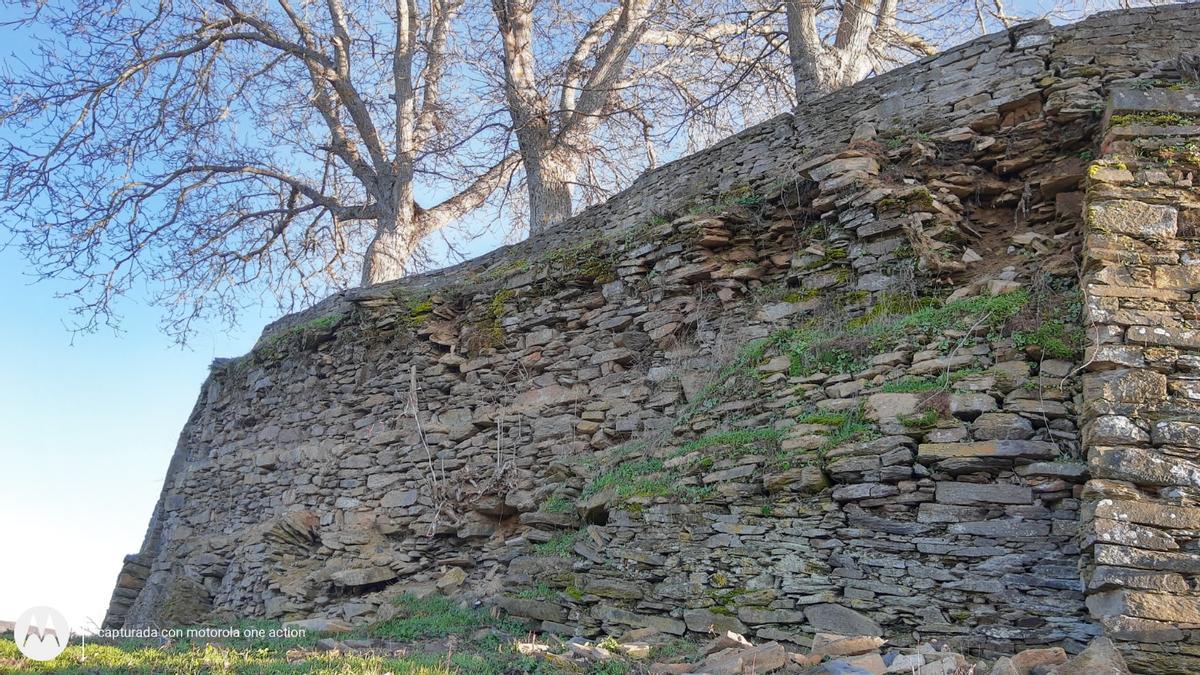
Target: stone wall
<point x="1142" y="393"/>
<point x="768" y="388"/>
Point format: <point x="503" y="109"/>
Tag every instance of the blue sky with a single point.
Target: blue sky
<point x="86" y="431"/>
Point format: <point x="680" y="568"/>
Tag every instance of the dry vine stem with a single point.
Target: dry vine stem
<point x="437" y="485"/>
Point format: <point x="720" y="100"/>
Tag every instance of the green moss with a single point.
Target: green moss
<point x="275" y="346"/>
<point x="506" y="269"/>
<point x="322" y="322"/>
<point x="891" y="305"/>
<point x="486" y="333"/>
<point x="649" y="477"/>
<point x="782" y="293"/>
<point x="853" y="298"/>
<point x="1157" y="119"/>
<point x="742" y="196"/>
<point x="416" y="312"/>
<point x="916" y="200"/>
<point x="590" y="261"/>
<point x="1181" y="153"/>
<point x="829" y="256"/>
<point x="677" y="650"/>
<point x="623" y="476"/>
<point x="499" y="300"/>
<point x="961" y="314"/>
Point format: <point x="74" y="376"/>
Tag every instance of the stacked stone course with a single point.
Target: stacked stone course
<point x="1142" y="392"/>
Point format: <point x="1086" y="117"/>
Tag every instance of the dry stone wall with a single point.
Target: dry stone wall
<point x="824" y="376"/>
<point x="1142" y="394"/>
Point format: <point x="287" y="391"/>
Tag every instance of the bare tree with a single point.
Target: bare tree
<point x="211" y="150"/>
<point x="210" y="147"/>
<point x="864" y="28"/>
<point x="835" y="44"/>
<point x="550" y="131"/>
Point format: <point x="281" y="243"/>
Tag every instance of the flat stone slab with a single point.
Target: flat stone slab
<point x="362" y="576"/>
<point x="1149" y="513"/>
<point x="1008" y="449"/>
<point x="831" y="618"/>
<point x="967" y="494"/>
<point x="1153" y="100"/>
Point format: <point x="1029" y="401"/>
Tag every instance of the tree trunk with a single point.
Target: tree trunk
<point x="550" y="177"/>
<point x="390" y="251"/>
<point x="820" y="69"/>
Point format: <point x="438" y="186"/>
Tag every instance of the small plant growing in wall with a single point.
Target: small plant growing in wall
<point x="561" y="544"/>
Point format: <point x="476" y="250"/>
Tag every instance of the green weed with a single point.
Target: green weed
<point x="561" y="544"/>
<point x="437" y="616"/>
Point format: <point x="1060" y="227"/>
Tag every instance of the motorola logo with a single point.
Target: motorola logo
<point x="41" y="633"/>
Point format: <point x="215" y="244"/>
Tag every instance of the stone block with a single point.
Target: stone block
<point x="844" y="165"/>
<point x="831" y="618"/>
<point x="1001" y="426"/>
<point x="970" y="406"/>
<point x="1142" y="466"/>
<point x="1129" y="534"/>
<point x="1176" y="432"/>
<point x="362" y="576"/>
<point x="705" y="621"/>
<point x="1004" y="449"/>
<point x="1002" y="528"/>
<point x="1104" y="577"/>
<point x="758" y="615"/>
<point x="858" y="491"/>
<point x="1100" y="657"/>
<point x="1127" y="100"/>
<point x="1136" y="629"/>
<point x="1171" y="336"/>
<point x="665" y="624"/>
<point x="1137" y="219"/>
<point x="1113" y="430"/>
<point x="1158" y="561"/>
<point x="1026" y="661"/>
<point x="1149" y="513"/>
<point x="969" y="494"/>
<point x="932" y="512"/>
<point x="1146" y="605"/>
<point x="531" y="609"/>
<point x="1126" y="385"/>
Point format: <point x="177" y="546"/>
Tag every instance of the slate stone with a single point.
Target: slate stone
<point x="975" y="493"/>
<point x="831" y="618"/>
